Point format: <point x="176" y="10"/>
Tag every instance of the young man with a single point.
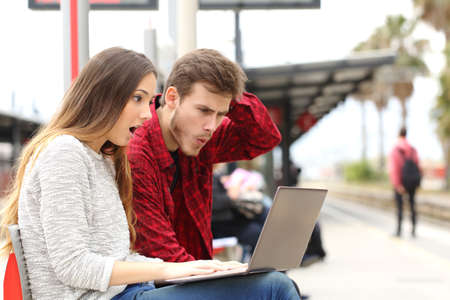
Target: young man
<point x="203" y="117"/>
<point x="402" y="152"/>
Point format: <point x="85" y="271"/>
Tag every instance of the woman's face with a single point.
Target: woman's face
<point x="135" y="112"/>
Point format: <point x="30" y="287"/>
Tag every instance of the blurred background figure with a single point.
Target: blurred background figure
<point x="240" y="209"/>
<point x="296" y="173"/>
<point x="405" y="175"/>
<point x="314" y="252"/>
<point x="239" y="206"/>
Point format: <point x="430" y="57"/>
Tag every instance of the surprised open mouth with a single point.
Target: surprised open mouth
<point x="133" y="129"/>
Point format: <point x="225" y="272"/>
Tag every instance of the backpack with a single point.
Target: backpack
<point x="410" y="173"/>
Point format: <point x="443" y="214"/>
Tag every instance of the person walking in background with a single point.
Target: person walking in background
<point x="405" y="175"/>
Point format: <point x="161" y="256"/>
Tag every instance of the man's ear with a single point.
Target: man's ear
<point x="171" y="98"/>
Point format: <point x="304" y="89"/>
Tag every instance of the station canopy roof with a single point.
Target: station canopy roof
<point x="259" y="4"/>
<point x="9" y="121"/>
<point x="305" y="93"/>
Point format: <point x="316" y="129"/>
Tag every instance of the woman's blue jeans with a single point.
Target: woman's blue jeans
<point x="272" y="285"/>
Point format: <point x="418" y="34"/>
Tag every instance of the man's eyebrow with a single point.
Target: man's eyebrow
<point x="141" y="90"/>
<point x="210" y="109"/>
<point x="203" y="106"/>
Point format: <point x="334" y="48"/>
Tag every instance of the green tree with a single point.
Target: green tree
<point x="437" y="14"/>
<point x="395" y="34"/>
<point x="396" y="80"/>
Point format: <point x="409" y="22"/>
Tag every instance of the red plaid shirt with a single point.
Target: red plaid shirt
<point x="177" y="226"/>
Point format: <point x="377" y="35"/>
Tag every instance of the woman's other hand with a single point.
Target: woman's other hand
<point x="199" y="267"/>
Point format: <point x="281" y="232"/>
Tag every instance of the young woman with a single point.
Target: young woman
<point x="72" y="199"/>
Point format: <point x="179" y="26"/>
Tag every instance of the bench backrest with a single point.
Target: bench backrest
<point x="14" y="232"/>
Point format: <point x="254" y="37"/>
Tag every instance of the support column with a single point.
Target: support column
<point x="286" y="142"/>
<point x="150" y="46"/>
<point x="363" y="131"/>
<point x="238" y="38"/>
<point x="75" y="14"/>
<point x="186" y="26"/>
<point x="268" y="173"/>
<point x="16" y="138"/>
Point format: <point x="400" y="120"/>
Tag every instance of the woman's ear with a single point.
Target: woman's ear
<point x="171" y="97"/>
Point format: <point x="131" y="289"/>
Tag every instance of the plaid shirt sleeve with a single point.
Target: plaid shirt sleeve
<point x="248" y="131"/>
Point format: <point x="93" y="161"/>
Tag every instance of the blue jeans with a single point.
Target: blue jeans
<point x="272" y="285"/>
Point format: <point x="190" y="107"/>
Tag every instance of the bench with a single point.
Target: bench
<point x="16" y="285"/>
<point x="227" y="248"/>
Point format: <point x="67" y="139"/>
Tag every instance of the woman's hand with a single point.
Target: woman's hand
<point x="127" y="272"/>
<point x="198" y="267"/>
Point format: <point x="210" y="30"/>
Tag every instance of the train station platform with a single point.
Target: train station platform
<point x="365" y="261"/>
<point x="433" y="205"/>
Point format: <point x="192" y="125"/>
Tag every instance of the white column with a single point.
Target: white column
<point x="75" y="14"/>
<point x="83" y="33"/>
<point x="150" y="46"/>
<point x="186" y="26"/>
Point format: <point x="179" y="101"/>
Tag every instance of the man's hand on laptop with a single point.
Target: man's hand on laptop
<point x="199" y="267"/>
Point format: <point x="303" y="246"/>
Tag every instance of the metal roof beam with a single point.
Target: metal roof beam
<point x="254" y="73"/>
<point x="290" y="86"/>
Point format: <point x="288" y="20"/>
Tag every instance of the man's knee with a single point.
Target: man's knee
<point x="283" y="282"/>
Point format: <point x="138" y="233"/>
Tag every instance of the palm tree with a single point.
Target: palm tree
<point x="441" y="113"/>
<point x="409" y="62"/>
<point x="381" y="95"/>
<point x="378" y="40"/>
<point x="395" y="34"/>
<point x="362" y="99"/>
<point x="437" y="14"/>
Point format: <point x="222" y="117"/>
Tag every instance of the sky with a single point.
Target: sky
<point x="31" y="63"/>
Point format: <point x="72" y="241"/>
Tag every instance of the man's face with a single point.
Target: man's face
<point x="196" y="117"/>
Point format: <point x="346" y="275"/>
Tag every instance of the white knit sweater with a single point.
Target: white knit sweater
<point x="73" y="225"/>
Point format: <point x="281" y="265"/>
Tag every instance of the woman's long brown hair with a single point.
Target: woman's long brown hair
<point x="89" y="109"/>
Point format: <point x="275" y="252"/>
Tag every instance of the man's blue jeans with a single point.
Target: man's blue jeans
<point x="272" y="285"/>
